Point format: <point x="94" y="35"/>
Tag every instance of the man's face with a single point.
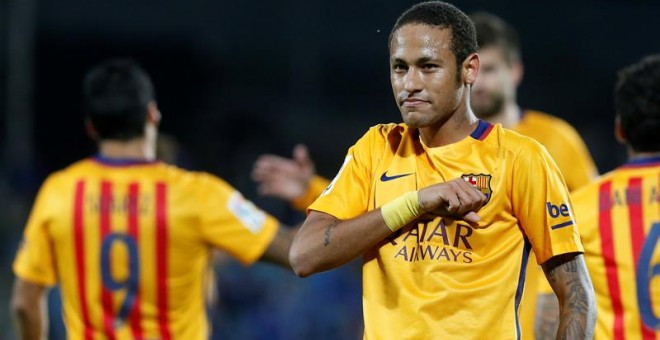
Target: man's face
<point x="496" y="83"/>
<point x="424" y="75"/>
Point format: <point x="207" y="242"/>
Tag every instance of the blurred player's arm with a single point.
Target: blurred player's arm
<point x="28" y="308"/>
<point x="569" y="278"/>
<point x="293" y="180"/>
<point x="547" y="317"/>
<point x="325" y="242"/>
<point x="278" y="250"/>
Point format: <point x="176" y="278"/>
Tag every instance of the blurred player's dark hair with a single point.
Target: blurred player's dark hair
<point x="637" y="103"/>
<point x="116" y="95"/>
<point x="492" y="31"/>
<point x="443" y="15"/>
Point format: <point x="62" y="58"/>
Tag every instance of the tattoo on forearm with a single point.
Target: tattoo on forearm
<point x="569" y="278"/>
<point x="328" y="232"/>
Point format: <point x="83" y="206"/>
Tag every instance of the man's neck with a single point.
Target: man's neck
<point x="136" y="149"/>
<point x="454" y="129"/>
<point x="509" y="117"/>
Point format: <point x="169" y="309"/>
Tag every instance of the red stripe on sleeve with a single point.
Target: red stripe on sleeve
<point x="607" y="243"/>
<point x="635" y="201"/>
<point x="133" y="231"/>
<point x="161" y="260"/>
<point x="79" y="242"/>
<point x="105" y="206"/>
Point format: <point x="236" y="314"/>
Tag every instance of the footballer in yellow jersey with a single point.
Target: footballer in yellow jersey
<point x="128" y="243"/>
<point x="619" y="214"/>
<point x="444" y="209"/>
<point x="494" y="98"/>
<point x="436" y="278"/>
<point x="127" y="238"/>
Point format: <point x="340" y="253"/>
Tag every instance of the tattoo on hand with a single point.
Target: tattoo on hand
<point x="328" y="231"/>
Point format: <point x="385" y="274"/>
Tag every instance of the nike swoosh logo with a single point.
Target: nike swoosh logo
<point x="385" y="178"/>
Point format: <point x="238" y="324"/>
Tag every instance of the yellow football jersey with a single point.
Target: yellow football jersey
<point x="442" y="278"/>
<point x="128" y="242"/>
<point x="619" y="217"/>
<point x="575" y="164"/>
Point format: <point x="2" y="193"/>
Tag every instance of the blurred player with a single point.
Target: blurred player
<point x="445" y="208"/>
<point x="494" y="99"/>
<point x="126" y="237"/>
<point x="619" y="214"/>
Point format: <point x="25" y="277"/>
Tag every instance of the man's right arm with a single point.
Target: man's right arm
<point x="28" y="310"/>
<point x="325" y="242"/>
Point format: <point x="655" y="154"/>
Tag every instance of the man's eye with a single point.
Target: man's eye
<point x="488" y="69"/>
<point x="429" y="67"/>
<point x="399" y="67"/>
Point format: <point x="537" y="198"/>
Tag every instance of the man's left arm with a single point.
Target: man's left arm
<point x="28" y="308"/>
<point x="569" y="278"/>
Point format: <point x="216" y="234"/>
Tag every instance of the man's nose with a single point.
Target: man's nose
<point x="412" y="81"/>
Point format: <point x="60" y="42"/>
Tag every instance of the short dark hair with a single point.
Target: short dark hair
<point x="493" y="31"/>
<point x="443" y="15"/>
<point x="116" y="94"/>
<point x="637" y="103"/>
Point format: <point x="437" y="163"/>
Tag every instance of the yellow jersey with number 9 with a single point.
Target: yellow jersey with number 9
<point x="128" y="242"/>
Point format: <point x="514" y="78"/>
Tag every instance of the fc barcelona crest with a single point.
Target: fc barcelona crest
<point x="481" y="182"/>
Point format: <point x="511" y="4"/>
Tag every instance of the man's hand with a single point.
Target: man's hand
<point x="282" y="177"/>
<point x="455" y="199"/>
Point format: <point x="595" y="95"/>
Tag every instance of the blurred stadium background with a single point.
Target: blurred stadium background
<point x="238" y="78"/>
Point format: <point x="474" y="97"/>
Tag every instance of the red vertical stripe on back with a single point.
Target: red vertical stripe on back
<point x="607" y="243"/>
<point x="635" y="201"/>
<point x="79" y="243"/>
<point x="105" y="206"/>
<point x="161" y="260"/>
<point x="133" y="214"/>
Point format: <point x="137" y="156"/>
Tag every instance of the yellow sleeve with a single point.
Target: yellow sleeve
<point x="348" y="194"/>
<point x="573" y="158"/>
<point x="316" y="186"/>
<point x="35" y="261"/>
<point x="232" y="223"/>
<point x="542" y="203"/>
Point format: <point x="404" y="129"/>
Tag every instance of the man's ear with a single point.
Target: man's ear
<point x="517" y="71"/>
<point x="470" y="69"/>
<point x="153" y="114"/>
<point x="91" y="130"/>
<point x="618" y="131"/>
